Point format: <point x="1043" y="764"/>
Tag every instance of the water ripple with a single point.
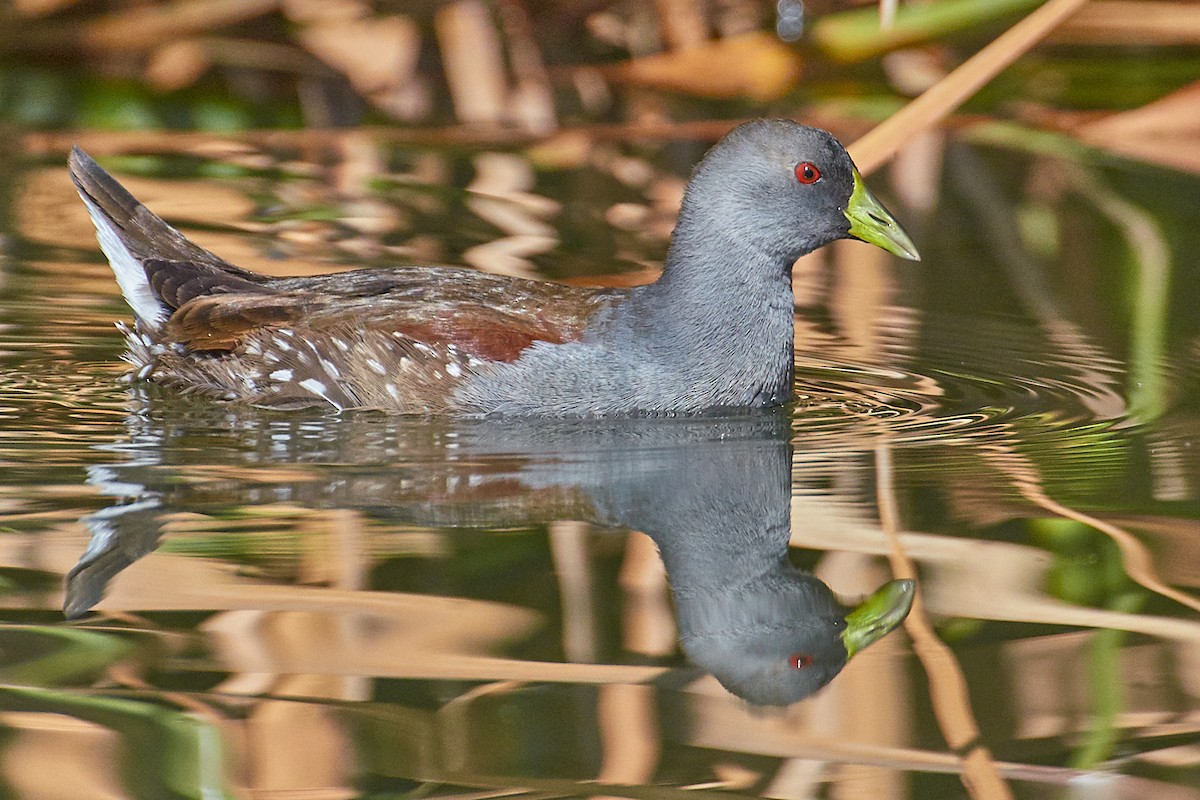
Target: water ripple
<point x="952" y="378"/>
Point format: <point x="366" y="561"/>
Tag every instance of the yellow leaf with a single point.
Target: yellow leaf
<point x="756" y="65"/>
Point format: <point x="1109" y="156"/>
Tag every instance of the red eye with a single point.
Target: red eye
<point x="807" y="172"/>
<point x="800" y="660"/>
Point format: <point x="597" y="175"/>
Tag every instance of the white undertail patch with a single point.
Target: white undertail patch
<point x="148" y="309"/>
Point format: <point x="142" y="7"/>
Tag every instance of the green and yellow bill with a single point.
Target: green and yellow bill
<point x="878" y="615"/>
<point x="874" y="224"/>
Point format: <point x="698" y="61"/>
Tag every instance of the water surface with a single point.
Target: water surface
<point x="321" y="605"/>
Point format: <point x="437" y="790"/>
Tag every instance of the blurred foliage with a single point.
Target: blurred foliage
<point x="222" y="66"/>
<point x="1087" y="568"/>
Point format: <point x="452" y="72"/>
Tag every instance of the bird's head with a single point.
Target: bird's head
<point x="786" y="189"/>
<point x="782" y="646"/>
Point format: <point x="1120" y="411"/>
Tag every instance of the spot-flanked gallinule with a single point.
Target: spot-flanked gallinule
<point x="714" y="331"/>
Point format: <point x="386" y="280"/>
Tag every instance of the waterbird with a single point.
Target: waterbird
<point x="715" y="331"/>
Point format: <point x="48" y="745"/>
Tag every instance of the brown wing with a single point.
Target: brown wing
<point x="397" y="339"/>
<point x="479" y="315"/>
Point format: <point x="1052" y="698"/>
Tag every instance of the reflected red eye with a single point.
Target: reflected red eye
<point x="800" y="660"/>
<point x="807" y="172"/>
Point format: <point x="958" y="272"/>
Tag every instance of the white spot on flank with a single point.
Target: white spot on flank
<point x="281" y="344"/>
<point x="376" y="366"/>
<point x="394" y="392"/>
<point x="341" y="344"/>
<point x="320" y="390"/>
<point x="331" y="369"/>
<point x="281" y="375"/>
<point x="453" y="370"/>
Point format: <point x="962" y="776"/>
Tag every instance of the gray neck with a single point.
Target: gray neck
<point x="721" y="315"/>
<point x="719" y="511"/>
<point x="715" y="564"/>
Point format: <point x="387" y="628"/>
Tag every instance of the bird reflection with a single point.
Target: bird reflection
<point x="713" y="493"/>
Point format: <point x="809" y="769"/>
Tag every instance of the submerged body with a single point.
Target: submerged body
<point x="715" y="331"/>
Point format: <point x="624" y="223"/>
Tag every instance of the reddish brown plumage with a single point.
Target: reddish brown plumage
<point x="492" y="339"/>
